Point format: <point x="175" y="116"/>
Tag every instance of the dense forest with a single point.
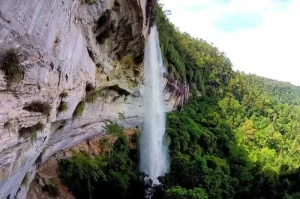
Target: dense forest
<point x="237" y="137"/>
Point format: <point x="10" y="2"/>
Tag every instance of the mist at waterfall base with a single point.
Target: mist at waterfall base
<point x="154" y="158"/>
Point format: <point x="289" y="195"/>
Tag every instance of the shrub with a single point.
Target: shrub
<point x="92" y="96"/>
<point x="112" y="128"/>
<point x="25" y="179"/>
<point x="90" y="1"/>
<point x="79" y="109"/>
<point x="63" y="107"/>
<point x="181" y="193"/>
<point x="63" y="94"/>
<point x="38" y="106"/>
<point x="51" y="188"/>
<point x="12" y="68"/>
<point x="30" y="132"/>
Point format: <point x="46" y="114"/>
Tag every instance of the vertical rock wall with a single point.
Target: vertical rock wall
<point x="63" y="45"/>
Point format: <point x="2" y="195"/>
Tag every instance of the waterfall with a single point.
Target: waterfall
<point x="154" y="160"/>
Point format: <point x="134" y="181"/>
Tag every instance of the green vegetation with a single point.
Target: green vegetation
<point x="30" y="132"/>
<point x="12" y="68"/>
<point x="90" y="1"/>
<point x="180" y="193"/>
<point x="51" y="188"/>
<point x="265" y="119"/>
<point x="63" y="107"/>
<point x="25" y="180"/>
<point x="109" y="176"/>
<point x="206" y="153"/>
<point x="79" y="109"/>
<point x="240" y="139"/>
<point x="191" y="60"/>
<point x="38" y="106"/>
<point x="63" y="94"/>
<point x="113" y="128"/>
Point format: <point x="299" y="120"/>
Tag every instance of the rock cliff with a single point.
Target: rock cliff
<point x="70" y="51"/>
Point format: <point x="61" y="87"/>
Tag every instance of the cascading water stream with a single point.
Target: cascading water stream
<point x="154" y="159"/>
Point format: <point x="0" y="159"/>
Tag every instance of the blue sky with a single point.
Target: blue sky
<point x="238" y="21"/>
<point x="259" y="36"/>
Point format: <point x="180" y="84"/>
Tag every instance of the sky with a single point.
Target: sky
<point x="259" y="36"/>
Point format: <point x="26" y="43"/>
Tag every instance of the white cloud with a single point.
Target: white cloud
<point x="271" y="49"/>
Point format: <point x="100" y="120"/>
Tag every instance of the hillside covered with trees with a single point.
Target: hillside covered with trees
<point x="239" y="138"/>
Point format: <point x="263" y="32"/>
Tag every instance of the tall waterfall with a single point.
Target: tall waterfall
<point x="154" y="160"/>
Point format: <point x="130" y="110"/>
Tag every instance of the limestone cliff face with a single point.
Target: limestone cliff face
<point x="63" y="45"/>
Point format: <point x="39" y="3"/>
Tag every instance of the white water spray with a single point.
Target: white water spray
<point x="154" y="160"/>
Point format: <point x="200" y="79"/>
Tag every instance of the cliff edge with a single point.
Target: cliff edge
<point x="81" y="64"/>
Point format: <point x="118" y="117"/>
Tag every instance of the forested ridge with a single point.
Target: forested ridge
<point x="240" y="138"/>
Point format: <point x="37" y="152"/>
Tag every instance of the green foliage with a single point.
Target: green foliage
<point x="282" y="92"/>
<point x="234" y="142"/>
<point x="251" y="123"/>
<point x="38" y="106"/>
<point x="181" y="193"/>
<point x="30" y="132"/>
<point x="113" y="128"/>
<point x="79" y="109"/>
<point x="207" y="154"/>
<point x="12" y="68"/>
<point x="63" y="107"/>
<point x="80" y="167"/>
<point x="90" y="1"/>
<point x="191" y="60"/>
<point x="113" y="176"/>
<point x="200" y="149"/>
<point x="63" y="94"/>
<point x="25" y="180"/>
<point x="265" y="119"/>
<point x="51" y="188"/>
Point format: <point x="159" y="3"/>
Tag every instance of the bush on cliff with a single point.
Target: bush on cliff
<point x="79" y="109"/>
<point x="63" y="107"/>
<point x="12" y="68"/>
<point x="38" y="106"/>
<point x="31" y="132"/>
